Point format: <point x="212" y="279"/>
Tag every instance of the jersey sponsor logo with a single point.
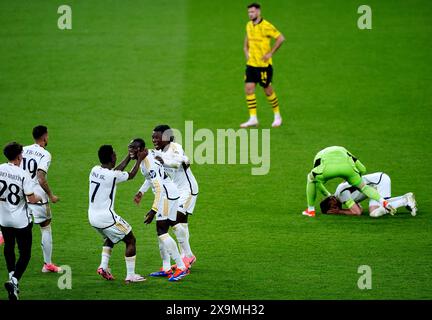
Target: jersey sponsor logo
<point x="152" y="174"/>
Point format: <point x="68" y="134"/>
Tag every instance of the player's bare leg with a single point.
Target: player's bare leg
<point x="46" y="244"/>
<point x="130" y="258"/>
<point x="252" y="105"/>
<point x="274" y="102"/>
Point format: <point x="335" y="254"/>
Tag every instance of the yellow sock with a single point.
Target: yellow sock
<point x="273" y="100"/>
<point x="252" y="104"/>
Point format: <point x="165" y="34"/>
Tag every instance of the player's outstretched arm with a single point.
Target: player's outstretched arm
<point x="122" y="165"/>
<point x="41" y="175"/>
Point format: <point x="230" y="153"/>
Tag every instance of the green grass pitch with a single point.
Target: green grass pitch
<point x="128" y="65"/>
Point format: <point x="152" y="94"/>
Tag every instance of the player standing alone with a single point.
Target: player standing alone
<point x="15" y="221"/>
<point x="36" y="161"/>
<point x="259" y="63"/>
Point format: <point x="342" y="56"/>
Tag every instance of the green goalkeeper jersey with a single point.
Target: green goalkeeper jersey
<point x="337" y="162"/>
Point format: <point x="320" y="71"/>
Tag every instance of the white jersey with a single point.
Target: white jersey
<point x="15" y="185"/>
<point x="36" y="158"/>
<point x="176" y="164"/>
<point x="156" y="178"/>
<point x="345" y="191"/>
<point x="102" y="191"/>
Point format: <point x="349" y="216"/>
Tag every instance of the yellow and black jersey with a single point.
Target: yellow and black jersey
<point x="259" y="36"/>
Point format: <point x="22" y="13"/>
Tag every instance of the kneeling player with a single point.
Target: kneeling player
<point x="103" y="183"/>
<point x="338" y="162"/>
<point x="350" y="197"/>
<point x="164" y="208"/>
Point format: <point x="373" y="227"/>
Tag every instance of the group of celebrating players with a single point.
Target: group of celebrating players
<point x="166" y="170"/>
<point x="25" y="198"/>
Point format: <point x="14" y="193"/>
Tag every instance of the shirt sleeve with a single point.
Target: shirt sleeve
<point x="28" y="185"/>
<point x="45" y="163"/>
<point x="121" y="176"/>
<point x="345" y="197"/>
<point x="146" y="185"/>
<point x="173" y="158"/>
<point x="271" y="31"/>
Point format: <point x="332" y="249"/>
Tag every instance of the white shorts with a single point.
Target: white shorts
<point x="383" y="188"/>
<point x="40" y="212"/>
<point x="117" y="231"/>
<point x="187" y="202"/>
<point x="167" y="210"/>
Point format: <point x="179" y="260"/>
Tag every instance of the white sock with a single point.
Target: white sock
<point x="46" y="243"/>
<point x="14" y="280"/>
<point x="11" y="275"/>
<point x="398" y="202"/>
<point x="186" y="228"/>
<point x="277" y="115"/>
<point x="130" y="265"/>
<point x="180" y="233"/>
<point x="252" y="118"/>
<point x="311" y="208"/>
<point x="106" y="254"/>
<point x="172" y="249"/>
<point x="166" y="260"/>
<point x="378" y="212"/>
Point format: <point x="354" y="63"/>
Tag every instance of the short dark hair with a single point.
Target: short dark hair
<point x="254" y="5"/>
<point x="12" y="150"/>
<point x="39" y="131"/>
<point x="325" y="204"/>
<point x="105" y="153"/>
<point x="139" y="141"/>
<point x="162" y="128"/>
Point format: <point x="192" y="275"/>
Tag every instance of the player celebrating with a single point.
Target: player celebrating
<point x="337" y="162"/>
<point x="103" y="181"/>
<point x="176" y="163"/>
<point x="350" y="197"/>
<point x="36" y="161"/>
<point x="15" y="222"/>
<point x="164" y="206"/>
<point x="259" y="63"/>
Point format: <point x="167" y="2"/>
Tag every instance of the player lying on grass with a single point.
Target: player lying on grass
<point x="103" y="181"/>
<point x="347" y="198"/>
<point x="338" y="162"/>
<point x="164" y="207"/>
<point x="177" y="165"/>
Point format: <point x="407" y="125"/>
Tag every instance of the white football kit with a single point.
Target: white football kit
<point x="176" y="163"/>
<point x="15" y="186"/>
<point x="37" y="158"/>
<point x="166" y="194"/>
<point x="101" y="214"/>
<point x="379" y="180"/>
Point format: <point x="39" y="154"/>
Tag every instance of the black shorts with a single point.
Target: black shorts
<point x="260" y="75"/>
